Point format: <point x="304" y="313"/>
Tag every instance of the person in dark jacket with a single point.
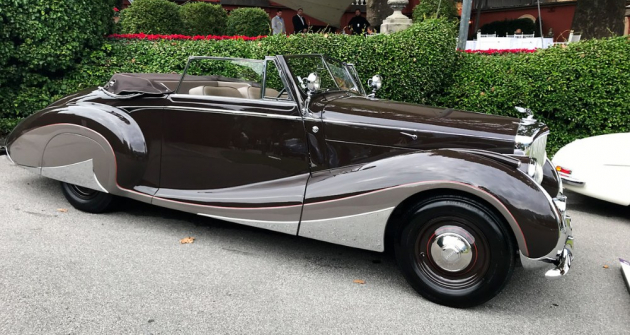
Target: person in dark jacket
<point x="299" y="22"/>
<point x="358" y="24"/>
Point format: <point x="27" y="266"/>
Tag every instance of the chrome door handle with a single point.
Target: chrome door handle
<point x="315" y="129"/>
<point x="413" y="136"/>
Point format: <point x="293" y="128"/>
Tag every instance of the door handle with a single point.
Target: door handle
<point x="413" y="136"/>
<point x="315" y="129"/>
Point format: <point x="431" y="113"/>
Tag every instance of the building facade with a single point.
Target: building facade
<point x="557" y="15"/>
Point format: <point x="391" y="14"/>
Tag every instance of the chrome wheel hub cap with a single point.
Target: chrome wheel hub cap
<point x="451" y="252"/>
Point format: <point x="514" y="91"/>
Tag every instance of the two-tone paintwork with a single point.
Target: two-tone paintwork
<point x="337" y="173"/>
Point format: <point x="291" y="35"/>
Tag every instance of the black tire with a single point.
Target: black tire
<point x="445" y="224"/>
<point x="88" y="200"/>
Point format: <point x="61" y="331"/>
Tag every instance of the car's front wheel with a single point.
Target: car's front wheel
<point x="88" y="200"/>
<point x="454" y="251"/>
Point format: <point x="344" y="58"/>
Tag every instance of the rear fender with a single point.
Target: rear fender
<point x="91" y="145"/>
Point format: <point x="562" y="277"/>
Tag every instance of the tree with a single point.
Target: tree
<point x="428" y="9"/>
<point x="377" y="11"/>
<point x="203" y="18"/>
<point x="152" y="17"/>
<point x="599" y="18"/>
<point x="248" y="21"/>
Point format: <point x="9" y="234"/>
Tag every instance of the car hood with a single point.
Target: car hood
<point x="357" y="118"/>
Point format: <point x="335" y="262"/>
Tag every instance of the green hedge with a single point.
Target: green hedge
<point x="202" y="18"/>
<point x="40" y="41"/>
<point x="580" y="90"/>
<point x="248" y="22"/>
<point x="151" y="17"/>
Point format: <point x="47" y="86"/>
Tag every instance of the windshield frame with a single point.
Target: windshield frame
<point x="327" y="62"/>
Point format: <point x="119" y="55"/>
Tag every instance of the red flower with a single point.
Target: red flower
<point x="153" y="37"/>
<point x="500" y="51"/>
<point x="115" y="9"/>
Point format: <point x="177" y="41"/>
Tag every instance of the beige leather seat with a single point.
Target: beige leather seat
<point x="229" y="92"/>
<point x="251" y="92"/>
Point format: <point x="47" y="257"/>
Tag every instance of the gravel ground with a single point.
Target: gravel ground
<point x="126" y="272"/>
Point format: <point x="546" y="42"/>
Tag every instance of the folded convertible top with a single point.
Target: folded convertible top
<point x="156" y="83"/>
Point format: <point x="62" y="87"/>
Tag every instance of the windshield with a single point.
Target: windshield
<point x="334" y="74"/>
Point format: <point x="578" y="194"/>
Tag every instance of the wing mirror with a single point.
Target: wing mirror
<point x="375" y="83"/>
<point x="313" y="82"/>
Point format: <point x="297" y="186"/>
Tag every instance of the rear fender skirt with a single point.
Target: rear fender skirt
<point x="73" y="134"/>
<point x="351" y="206"/>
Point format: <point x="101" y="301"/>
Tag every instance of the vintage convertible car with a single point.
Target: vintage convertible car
<point x="295" y="145"/>
<point x="597" y="167"/>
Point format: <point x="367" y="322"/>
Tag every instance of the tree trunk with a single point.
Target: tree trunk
<point x="377" y="11"/>
<point x="599" y="18"/>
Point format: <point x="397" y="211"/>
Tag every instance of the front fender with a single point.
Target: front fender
<point x="357" y="199"/>
<point x="66" y="136"/>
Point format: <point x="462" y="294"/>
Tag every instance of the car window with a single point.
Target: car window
<point x="275" y="85"/>
<point x="232" y="78"/>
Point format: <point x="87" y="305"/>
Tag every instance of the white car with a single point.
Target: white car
<point x="597" y="167"/>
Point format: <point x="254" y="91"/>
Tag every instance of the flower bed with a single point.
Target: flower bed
<point x="500" y="51"/>
<point x="153" y="37"/>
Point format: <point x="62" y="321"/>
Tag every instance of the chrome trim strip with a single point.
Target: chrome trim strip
<point x="287" y="227"/>
<point x="365" y="230"/>
<point x="371" y="145"/>
<point x="230" y="112"/>
<point x="10" y="159"/>
<point x="224" y="99"/>
<point x="411" y="129"/>
<point x="80" y="174"/>
<point x="625" y="271"/>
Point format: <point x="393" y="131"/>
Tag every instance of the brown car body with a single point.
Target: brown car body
<point x="341" y="169"/>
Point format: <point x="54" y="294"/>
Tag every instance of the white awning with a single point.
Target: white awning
<point x="327" y="11"/>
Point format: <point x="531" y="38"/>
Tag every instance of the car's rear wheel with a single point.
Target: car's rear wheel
<point x="88" y="200"/>
<point x="454" y="251"/>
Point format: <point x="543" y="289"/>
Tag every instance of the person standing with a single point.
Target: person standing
<point x="277" y="24"/>
<point x="358" y="24"/>
<point x="299" y="22"/>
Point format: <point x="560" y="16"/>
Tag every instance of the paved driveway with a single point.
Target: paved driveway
<point x="126" y="272"/>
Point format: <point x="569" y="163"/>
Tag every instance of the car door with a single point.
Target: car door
<point x="242" y="159"/>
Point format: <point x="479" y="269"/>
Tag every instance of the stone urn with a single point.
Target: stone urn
<point x="397" y="21"/>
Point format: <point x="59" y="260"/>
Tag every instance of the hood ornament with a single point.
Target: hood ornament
<point x="527" y="111"/>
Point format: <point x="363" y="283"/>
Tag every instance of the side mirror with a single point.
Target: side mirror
<point x="313" y="82"/>
<point x="375" y="83"/>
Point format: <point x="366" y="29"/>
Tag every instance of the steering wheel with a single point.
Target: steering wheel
<point x="281" y="92"/>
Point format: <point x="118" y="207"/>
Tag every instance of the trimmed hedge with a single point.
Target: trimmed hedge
<point x="248" y="22"/>
<point x="44" y="37"/>
<point x="428" y="9"/>
<point x="202" y="18"/>
<point x="579" y="90"/>
<point x="41" y="40"/>
<point x="151" y="17"/>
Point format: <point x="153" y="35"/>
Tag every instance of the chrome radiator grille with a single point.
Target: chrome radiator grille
<point x="537" y="151"/>
<point x="531" y="141"/>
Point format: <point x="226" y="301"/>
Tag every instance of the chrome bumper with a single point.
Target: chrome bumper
<point x="568" y="180"/>
<point x="562" y="255"/>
